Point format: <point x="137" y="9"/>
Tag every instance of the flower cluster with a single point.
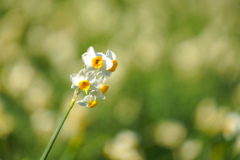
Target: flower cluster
<point x="98" y="67"/>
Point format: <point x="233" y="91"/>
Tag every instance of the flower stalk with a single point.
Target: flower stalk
<point x="54" y="136"/>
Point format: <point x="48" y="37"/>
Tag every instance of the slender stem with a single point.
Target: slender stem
<point x="55" y="134"/>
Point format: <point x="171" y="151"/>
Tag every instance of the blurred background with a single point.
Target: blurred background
<point x="174" y="96"/>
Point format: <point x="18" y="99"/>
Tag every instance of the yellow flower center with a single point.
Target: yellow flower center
<point x="104" y="89"/>
<point x="84" y="85"/>
<point x="92" y="104"/>
<point x="113" y="68"/>
<point x="97" y="62"/>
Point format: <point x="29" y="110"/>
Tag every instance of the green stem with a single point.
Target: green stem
<point x="54" y="136"/>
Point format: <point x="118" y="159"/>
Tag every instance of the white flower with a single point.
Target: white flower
<point x="95" y="60"/>
<point x="95" y="63"/>
<point x="101" y="88"/>
<point x="83" y="80"/>
<point x="88" y="101"/>
<point x="231" y="125"/>
<point x="107" y="73"/>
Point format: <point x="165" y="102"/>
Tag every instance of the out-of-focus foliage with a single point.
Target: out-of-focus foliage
<point x="175" y="94"/>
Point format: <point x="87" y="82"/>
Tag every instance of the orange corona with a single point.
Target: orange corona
<point x="104" y="89"/>
<point x="97" y="62"/>
<point x="84" y="85"/>
<point x="115" y="64"/>
<point x="92" y="104"/>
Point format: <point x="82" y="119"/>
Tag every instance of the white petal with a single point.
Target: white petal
<point x="73" y="77"/>
<point x="87" y="59"/>
<point x="75" y="82"/>
<point x="91" y="51"/>
<point x="82" y="103"/>
<point x="90" y="76"/>
<point x="108" y="74"/>
<point x="101" y="95"/>
<point x="100" y="81"/>
<point x="105" y="78"/>
<point x="103" y="68"/>
<point x="84" y="73"/>
<point x="81" y="73"/>
<point x="100" y="54"/>
<point x="101" y="72"/>
<point x="89" y="68"/>
<point x="111" y="55"/>
<point x="88" y="56"/>
<point x="108" y="63"/>
<point x="104" y="73"/>
<point x="97" y="94"/>
<point x="74" y="86"/>
<point x="94" y="94"/>
<point x="88" y="98"/>
<point x="93" y="85"/>
<point x="85" y="100"/>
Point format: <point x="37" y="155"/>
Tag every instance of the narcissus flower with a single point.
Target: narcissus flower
<point x="88" y="101"/>
<point x="94" y="60"/>
<point x="83" y="80"/>
<point x="101" y="88"/>
<point x="108" y="72"/>
<point x="231" y="125"/>
<point x="112" y="56"/>
<point x="95" y="64"/>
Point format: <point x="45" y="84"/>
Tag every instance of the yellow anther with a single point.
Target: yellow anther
<point x="113" y="68"/>
<point x="92" y="104"/>
<point x="104" y="89"/>
<point x="84" y="85"/>
<point x="97" y="62"/>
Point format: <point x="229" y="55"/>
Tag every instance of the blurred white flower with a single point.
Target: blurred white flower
<point x="43" y="122"/>
<point x="209" y="118"/>
<point x="38" y="95"/>
<point x="18" y="78"/>
<point x="93" y="13"/>
<point x="187" y="58"/>
<point x="190" y="149"/>
<point x="123" y="147"/>
<point x="231" y="125"/>
<point x="170" y="134"/>
<point x="147" y="48"/>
